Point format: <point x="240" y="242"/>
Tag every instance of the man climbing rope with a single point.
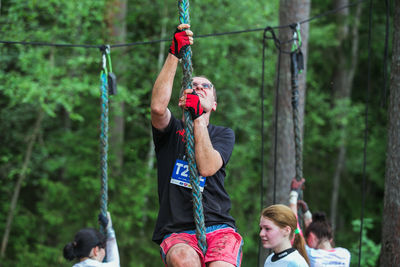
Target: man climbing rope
<point x="175" y="226"/>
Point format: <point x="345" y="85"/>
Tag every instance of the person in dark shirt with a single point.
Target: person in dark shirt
<point x="175" y="226"/>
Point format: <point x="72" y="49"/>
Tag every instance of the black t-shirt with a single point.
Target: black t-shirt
<point x="176" y="208"/>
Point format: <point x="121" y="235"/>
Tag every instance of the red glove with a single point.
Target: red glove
<point x="303" y="205"/>
<point x="179" y="43"/>
<point x="193" y="105"/>
<point x="297" y="185"/>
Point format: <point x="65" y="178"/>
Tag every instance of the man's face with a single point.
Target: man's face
<point x="205" y="90"/>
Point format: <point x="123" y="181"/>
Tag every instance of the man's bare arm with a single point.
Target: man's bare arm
<point x="162" y="89"/>
<point x="208" y="160"/>
<point x="161" y="95"/>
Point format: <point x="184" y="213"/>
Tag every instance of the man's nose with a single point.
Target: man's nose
<point x="198" y="89"/>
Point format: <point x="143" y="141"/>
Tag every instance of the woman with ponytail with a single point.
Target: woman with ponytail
<point x="89" y="246"/>
<point x="318" y="233"/>
<point x="278" y="228"/>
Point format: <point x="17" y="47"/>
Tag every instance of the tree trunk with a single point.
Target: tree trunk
<point x="116" y="22"/>
<point x="21" y="177"/>
<point x="342" y="86"/>
<point x="290" y="11"/>
<point x="390" y="253"/>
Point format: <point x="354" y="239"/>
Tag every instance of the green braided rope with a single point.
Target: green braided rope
<point x="104" y="93"/>
<point x="104" y="146"/>
<point x="198" y="214"/>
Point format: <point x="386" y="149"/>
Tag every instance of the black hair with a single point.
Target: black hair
<point x="85" y="239"/>
<point x="320" y="226"/>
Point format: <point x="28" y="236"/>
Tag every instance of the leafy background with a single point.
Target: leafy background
<point x="61" y="191"/>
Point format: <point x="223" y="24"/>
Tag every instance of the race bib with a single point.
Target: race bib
<point x="180" y="175"/>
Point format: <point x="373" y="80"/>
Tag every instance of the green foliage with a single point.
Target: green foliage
<point x="61" y="191"/>
<point x="369" y="249"/>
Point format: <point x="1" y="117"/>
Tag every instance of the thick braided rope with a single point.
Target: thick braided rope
<point x="198" y="214"/>
<point x="104" y="145"/>
<point x="296" y="126"/>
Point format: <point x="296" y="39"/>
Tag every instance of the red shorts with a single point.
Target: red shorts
<point x="223" y="244"/>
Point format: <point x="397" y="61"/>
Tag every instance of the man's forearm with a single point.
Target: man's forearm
<point x="208" y="160"/>
<point x="162" y="91"/>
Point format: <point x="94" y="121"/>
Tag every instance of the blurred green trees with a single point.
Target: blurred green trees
<point x="61" y="189"/>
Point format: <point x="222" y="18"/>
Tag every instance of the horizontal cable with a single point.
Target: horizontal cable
<point x="198" y="36"/>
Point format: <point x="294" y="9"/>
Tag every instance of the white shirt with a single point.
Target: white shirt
<point x="112" y="257"/>
<point x="337" y="257"/>
<point x="292" y="259"/>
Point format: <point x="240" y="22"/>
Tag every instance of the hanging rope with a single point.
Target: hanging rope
<point x="193" y="173"/>
<point x="262" y="135"/>
<point x="108" y="86"/>
<point x="277" y="44"/>
<point x="278" y="77"/>
<point x="267" y="30"/>
<point x="296" y="60"/>
<point x="104" y="135"/>
<point x="262" y="122"/>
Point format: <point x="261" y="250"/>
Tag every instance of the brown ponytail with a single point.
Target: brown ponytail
<point x="300" y="244"/>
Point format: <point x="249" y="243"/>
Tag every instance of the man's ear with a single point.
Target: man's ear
<point x="214" y="107"/>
